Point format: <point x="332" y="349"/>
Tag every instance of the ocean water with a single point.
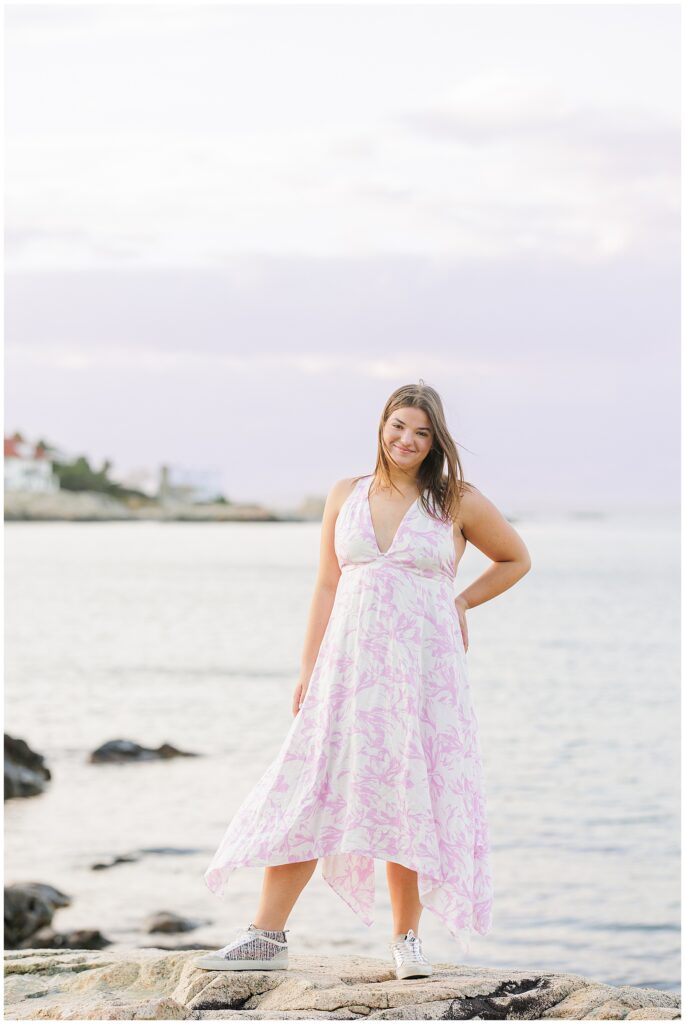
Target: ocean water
<point x="191" y="634"/>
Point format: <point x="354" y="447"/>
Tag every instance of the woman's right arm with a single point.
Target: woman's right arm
<point x="325" y="589"/>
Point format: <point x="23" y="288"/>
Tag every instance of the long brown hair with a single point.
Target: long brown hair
<point x="444" y="488"/>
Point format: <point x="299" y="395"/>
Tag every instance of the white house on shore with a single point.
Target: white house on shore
<point x="192" y="486"/>
<point x="28" y="467"/>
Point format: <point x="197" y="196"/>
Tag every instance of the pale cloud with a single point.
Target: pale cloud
<point x="310" y="364"/>
<point x="267" y="143"/>
<point x="628" y="141"/>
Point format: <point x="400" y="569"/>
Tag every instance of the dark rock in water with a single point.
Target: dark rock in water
<point x="120" y="751"/>
<point x="29" y="906"/>
<point x="130" y="858"/>
<point x="176" y="948"/>
<point x="167" y="750"/>
<point x="167" y="921"/>
<point x="80" y="938"/>
<point x="175" y="851"/>
<point x="49" y="893"/>
<point x="101" y="865"/>
<point x="25" y="770"/>
<point x="29" y="909"/>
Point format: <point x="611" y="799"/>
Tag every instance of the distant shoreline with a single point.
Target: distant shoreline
<point x="90" y="507"/>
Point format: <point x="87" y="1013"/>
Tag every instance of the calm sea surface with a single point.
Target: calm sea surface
<point x="191" y="634"/>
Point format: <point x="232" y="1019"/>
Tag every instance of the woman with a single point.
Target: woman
<point x="382" y="759"/>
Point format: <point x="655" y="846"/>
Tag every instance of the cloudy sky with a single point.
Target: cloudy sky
<point x="232" y="231"/>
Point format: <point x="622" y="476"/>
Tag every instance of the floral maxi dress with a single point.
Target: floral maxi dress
<point x="383" y="758"/>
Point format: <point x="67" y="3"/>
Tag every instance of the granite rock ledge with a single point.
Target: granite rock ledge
<point x="151" y="984"/>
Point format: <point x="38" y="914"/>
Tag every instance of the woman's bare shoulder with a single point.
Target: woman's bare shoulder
<point x="489" y="529"/>
<point x="472" y="501"/>
<point x="341" y="490"/>
<point x="468" y="504"/>
<point x="468" y="491"/>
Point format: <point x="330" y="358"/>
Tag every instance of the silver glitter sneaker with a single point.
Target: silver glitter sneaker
<point x="253" y="949"/>
<point x="410" y="960"/>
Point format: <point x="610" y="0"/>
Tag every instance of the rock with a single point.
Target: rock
<point x="174" y="947"/>
<point x="150" y="984"/>
<point x="160" y="851"/>
<point x="120" y="751"/>
<point x="604" y="1002"/>
<point x="29" y="906"/>
<point x="167" y="921"/>
<point x="92" y="506"/>
<point x="213" y="512"/>
<point x="172" y="851"/>
<point x="102" y="865"/>
<point x="29" y="909"/>
<point x="81" y="938"/>
<point x="80" y="506"/>
<point x="25" y="770"/>
<point x="653" y="1013"/>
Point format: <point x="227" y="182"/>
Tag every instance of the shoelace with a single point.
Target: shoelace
<point x="409" y="948"/>
<point x="248" y="935"/>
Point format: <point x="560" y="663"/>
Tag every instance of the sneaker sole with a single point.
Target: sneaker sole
<point x="413" y="972"/>
<point x="218" y="963"/>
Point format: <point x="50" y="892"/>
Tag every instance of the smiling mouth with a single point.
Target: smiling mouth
<point x="407" y="451"/>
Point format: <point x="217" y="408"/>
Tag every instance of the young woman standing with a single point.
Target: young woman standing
<point x="382" y="759"/>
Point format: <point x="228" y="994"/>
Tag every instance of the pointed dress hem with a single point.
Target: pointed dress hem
<point x="217" y="879"/>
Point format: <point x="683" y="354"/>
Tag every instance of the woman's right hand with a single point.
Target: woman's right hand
<point x="298" y="696"/>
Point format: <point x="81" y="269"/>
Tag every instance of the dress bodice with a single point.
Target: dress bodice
<point x="422" y="544"/>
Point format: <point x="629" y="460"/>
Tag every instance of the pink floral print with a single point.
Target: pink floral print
<point x="383" y="759"/>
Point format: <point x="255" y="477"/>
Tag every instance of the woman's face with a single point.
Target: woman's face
<point x="408" y="437"/>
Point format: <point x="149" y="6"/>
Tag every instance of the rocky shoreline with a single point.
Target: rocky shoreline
<point x="155" y="985"/>
<point x="80" y="974"/>
<point x="89" y="506"/>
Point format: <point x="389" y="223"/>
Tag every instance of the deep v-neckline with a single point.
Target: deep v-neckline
<point x="399" y="528"/>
